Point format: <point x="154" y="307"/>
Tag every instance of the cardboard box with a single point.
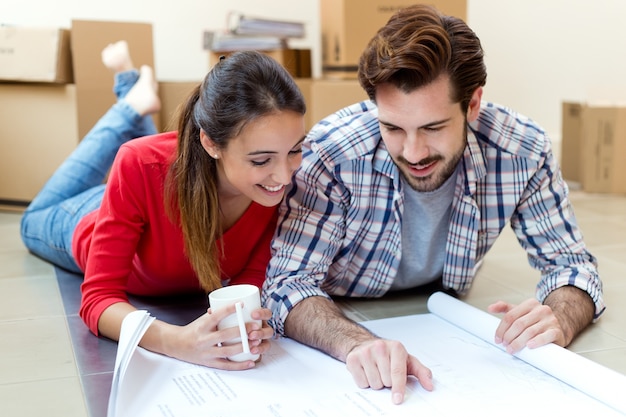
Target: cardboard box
<point x="29" y="54"/>
<point x="305" y="86"/>
<point x="349" y="25"/>
<point x="322" y="97"/>
<point x="43" y="123"/>
<point x="326" y="96"/>
<point x="329" y="95"/>
<point x="94" y="82"/>
<point x="572" y="165"/>
<point x="296" y="61"/>
<point x="173" y="94"/>
<point x="38" y="130"/>
<point x="604" y="149"/>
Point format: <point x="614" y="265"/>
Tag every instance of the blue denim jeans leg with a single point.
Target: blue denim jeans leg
<point x="76" y="187"/>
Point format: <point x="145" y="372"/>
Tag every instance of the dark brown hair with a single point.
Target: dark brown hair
<point x="416" y="46"/>
<point x="239" y="89"/>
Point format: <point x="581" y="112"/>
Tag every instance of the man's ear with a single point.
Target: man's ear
<point x="208" y="145"/>
<point x="473" y="109"/>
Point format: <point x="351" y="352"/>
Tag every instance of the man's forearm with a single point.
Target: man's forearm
<point x="319" y="323"/>
<point x="573" y="308"/>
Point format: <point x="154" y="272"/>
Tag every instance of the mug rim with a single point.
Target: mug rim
<point x="234" y="291"/>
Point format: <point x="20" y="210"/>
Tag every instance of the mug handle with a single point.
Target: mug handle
<point x="242" y="327"/>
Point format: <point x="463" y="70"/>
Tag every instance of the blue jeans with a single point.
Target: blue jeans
<point x="76" y="187"/>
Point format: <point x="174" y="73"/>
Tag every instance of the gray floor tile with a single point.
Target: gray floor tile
<point x="35" y="349"/>
<point x="58" y="397"/>
<point x="30" y="297"/>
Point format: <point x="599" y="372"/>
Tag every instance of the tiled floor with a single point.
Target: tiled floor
<point x="39" y="372"/>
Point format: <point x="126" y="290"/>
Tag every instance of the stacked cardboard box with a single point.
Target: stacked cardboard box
<point x="325" y="96"/>
<point x="53" y="89"/>
<point x="348" y="26"/>
<point x="35" y="55"/>
<point x="593" y="146"/>
<point x="38" y="129"/>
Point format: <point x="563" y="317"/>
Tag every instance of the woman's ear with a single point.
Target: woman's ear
<point x="208" y="145"/>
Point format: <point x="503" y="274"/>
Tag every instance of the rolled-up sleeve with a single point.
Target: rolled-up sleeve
<point x="546" y="226"/>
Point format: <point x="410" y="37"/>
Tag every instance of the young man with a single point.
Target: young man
<point x="414" y="187"/>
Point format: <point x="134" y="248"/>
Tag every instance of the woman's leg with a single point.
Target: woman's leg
<point x="116" y="57"/>
<point x="48" y="232"/>
<point x="75" y="188"/>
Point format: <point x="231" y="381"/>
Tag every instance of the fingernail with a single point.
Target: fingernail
<point x="397" y="398"/>
<point x="498" y="340"/>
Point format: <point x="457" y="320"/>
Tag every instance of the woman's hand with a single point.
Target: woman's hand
<point x="200" y="341"/>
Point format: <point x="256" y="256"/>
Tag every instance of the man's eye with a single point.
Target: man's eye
<point x="433" y="128"/>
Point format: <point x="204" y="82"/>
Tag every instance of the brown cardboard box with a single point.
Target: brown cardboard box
<point x="571" y="141"/>
<point x="30" y="54"/>
<point x="326" y="96"/>
<point x="348" y="25"/>
<point x="42" y="123"/>
<point x="296" y="61"/>
<point x="38" y="130"/>
<point x="305" y="85"/>
<point x="604" y="149"/>
<point x="173" y="94"/>
<point x="94" y="82"/>
<point x="329" y="95"/>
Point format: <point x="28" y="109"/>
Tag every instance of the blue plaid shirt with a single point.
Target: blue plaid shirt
<point x="340" y="223"/>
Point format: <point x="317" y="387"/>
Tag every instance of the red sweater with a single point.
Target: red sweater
<point x="130" y="246"/>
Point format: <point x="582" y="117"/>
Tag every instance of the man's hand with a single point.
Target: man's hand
<point x="383" y="363"/>
<point x="565" y="313"/>
<point x="373" y="362"/>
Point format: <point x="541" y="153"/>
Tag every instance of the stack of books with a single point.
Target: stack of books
<point x="252" y="33"/>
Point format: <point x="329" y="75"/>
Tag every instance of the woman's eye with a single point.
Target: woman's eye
<point x="260" y="163"/>
<point x="295" y="151"/>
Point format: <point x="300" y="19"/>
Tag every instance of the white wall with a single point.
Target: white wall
<point x="538" y="52"/>
<point x="541" y="52"/>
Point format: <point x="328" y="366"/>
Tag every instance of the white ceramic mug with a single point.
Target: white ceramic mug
<point x="246" y="298"/>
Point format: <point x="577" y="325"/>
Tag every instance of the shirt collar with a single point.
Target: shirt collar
<point x="475" y="166"/>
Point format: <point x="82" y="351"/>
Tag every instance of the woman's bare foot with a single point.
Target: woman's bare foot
<point x="143" y="95"/>
<point x="116" y="57"/>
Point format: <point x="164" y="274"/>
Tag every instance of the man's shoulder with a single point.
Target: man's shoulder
<point x="349" y="133"/>
<point x="508" y="131"/>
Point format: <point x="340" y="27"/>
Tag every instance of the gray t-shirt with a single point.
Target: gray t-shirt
<point x="425" y="225"/>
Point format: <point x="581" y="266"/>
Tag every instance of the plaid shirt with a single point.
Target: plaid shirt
<point x="340" y="224"/>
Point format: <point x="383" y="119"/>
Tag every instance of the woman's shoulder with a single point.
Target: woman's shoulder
<point x="158" y="148"/>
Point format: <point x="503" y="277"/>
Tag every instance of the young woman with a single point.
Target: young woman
<point x="183" y="211"/>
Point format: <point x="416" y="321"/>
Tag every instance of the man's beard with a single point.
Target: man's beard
<point x="434" y="180"/>
<point x="437" y="178"/>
